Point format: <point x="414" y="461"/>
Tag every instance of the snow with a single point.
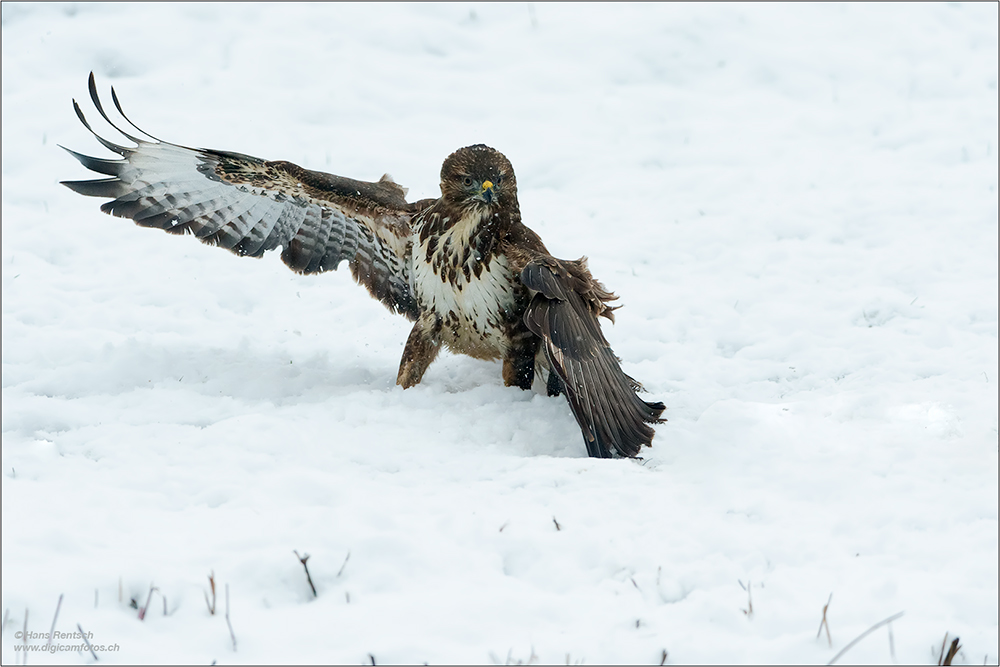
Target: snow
<point x="797" y="204"/>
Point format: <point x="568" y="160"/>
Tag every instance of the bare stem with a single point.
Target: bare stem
<point x="231" y="633"/>
<point x="944" y="642"/>
<point x="149" y="598"/>
<point x="892" y="644"/>
<point x="863" y="635"/>
<point x="86" y="641"/>
<point x="25" y="635"/>
<point x="53" y="628"/>
<point x="341" y="570"/>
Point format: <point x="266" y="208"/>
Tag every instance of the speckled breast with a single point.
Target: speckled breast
<point x="474" y="299"/>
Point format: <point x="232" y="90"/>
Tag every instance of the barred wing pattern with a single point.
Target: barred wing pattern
<point x="564" y="312"/>
<point x="249" y="206"/>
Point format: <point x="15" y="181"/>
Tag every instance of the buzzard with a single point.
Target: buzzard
<point x="463" y="268"/>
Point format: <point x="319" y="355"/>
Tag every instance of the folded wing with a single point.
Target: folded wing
<point x="249" y="206"/>
<point x="603" y="398"/>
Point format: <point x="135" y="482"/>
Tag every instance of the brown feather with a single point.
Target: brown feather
<point x="463" y="267"/>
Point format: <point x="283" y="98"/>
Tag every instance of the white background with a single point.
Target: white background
<point x="796" y="203"/>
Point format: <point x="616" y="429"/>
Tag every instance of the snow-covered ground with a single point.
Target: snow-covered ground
<point x="796" y="203"/>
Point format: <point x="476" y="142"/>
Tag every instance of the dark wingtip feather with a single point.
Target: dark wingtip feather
<point x="79" y="114"/>
<point x="92" y="84"/>
<point x="114" y="98"/>
<point x="121" y="150"/>
<point x="101" y="166"/>
<point x="104" y="187"/>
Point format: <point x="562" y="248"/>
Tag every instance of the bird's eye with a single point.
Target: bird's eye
<point x="499" y="179"/>
<point x="467" y="181"/>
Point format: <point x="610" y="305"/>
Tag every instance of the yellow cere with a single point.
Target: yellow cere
<point x="487" y="185"/>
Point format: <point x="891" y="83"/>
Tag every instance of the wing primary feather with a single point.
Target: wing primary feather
<point x="100" y="109"/>
<point x="121" y="150"/>
<point x="103" y="187"/>
<point x="100" y="165"/>
<point x="83" y="119"/>
<point x="114" y="98"/>
<point x="123" y="207"/>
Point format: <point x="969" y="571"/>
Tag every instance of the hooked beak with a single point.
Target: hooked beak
<point x="487" y="193"/>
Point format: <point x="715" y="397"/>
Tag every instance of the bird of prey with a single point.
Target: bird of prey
<point x="463" y="268"/>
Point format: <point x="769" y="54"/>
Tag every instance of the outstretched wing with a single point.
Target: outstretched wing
<point x="603" y="398"/>
<point x="249" y="206"/>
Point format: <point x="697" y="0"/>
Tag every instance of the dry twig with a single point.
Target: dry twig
<point x="946" y="658"/>
<point x="663" y="658"/>
<point x="952" y="652"/>
<point x="558" y="527"/>
<point x="341" y="570"/>
<point x="303" y="559"/>
<point x="211" y="605"/>
<point x="824" y="624"/>
<point x="749" y="610"/>
<point x="86" y="641"/>
<point x="149" y="598"/>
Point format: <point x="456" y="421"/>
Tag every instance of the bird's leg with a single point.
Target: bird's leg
<point x="422" y="347"/>
<point x="519" y="362"/>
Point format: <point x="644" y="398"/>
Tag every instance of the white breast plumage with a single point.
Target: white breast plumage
<point x="474" y="307"/>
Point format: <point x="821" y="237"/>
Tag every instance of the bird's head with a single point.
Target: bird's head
<point x="478" y="177"/>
